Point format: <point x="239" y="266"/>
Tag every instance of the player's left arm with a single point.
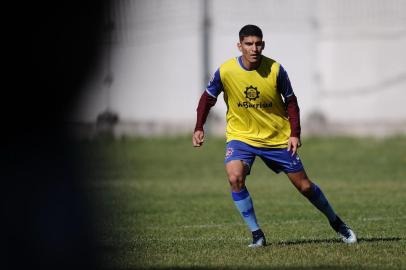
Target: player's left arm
<point x="292" y="109"/>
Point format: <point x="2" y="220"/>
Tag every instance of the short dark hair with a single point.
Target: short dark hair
<point x="250" y="30"/>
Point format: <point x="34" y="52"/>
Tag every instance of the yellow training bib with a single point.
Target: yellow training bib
<point x="256" y="112"/>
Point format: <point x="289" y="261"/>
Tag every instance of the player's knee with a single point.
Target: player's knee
<point x="306" y="188"/>
<point x="236" y="181"/>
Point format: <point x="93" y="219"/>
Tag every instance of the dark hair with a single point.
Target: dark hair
<point x="250" y="30"/>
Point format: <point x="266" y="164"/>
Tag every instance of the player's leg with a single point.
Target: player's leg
<point x="236" y="172"/>
<point x="238" y="162"/>
<point x="313" y="193"/>
<point x="281" y="160"/>
<point x="316" y="196"/>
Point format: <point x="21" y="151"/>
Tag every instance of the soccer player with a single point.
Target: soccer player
<point x="262" y="120"/>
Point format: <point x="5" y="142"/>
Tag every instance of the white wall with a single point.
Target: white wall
<point x="155" y="62"/>
<point x="362" y="61"/>
<point x="345" y="58"/>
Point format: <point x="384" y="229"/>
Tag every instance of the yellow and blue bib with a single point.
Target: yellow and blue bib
<point x="256" y="112"/>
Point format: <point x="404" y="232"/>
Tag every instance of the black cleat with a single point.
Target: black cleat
<point x="347" y="235"/>
<point x="258" y="239"/>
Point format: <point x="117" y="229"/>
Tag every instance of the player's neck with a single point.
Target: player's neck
<point x="250" y="65"/>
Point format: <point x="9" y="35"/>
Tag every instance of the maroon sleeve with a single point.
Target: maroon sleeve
<point x="205" y="103"/>
<point x="292" y="108"/>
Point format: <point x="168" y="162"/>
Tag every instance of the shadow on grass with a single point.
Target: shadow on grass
<point x="110" y="248"/>
<point x="318" y="241"/>
<point x="282" y="243"/>
<point x="327" y="267"/>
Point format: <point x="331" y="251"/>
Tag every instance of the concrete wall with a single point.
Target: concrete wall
<point x="345" y="59"/>
<point x="362" y="65"/>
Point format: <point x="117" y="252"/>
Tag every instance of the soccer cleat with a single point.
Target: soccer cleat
<point x="258" y="239"/>
<point x="347" y="235"/>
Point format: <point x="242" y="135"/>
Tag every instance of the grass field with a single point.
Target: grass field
<point x="164" y="205"/>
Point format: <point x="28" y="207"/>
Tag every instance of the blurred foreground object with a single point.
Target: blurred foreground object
<point x="46" y="214"/>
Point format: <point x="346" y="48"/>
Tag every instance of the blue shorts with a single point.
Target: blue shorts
<point x="277" y="159"/>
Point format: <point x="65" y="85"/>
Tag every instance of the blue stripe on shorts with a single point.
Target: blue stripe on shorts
<point x="277" y="159"/>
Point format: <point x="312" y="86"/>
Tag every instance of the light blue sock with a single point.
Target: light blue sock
<point x="244" y="204"/>
<point x="320" y="201"/>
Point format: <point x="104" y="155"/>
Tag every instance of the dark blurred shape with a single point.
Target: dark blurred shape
<point x="105" y="123"/>
<point x="45" y="211"/>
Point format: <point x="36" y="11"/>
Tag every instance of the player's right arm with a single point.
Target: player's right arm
<point x="203" y="109"/>
<point x="207" y="100"/>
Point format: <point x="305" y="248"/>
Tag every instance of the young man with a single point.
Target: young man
<point x="262" y="120"/>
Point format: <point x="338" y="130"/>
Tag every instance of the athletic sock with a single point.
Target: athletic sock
<point x="244" y="204"/>
<point x="320" y="202"/>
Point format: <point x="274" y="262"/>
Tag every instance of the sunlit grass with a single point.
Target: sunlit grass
<point x="163" y="204"/>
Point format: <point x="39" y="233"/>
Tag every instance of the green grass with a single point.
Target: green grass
<point x="164" y="205"/>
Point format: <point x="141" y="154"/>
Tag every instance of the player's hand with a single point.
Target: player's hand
<point x="293" y="144"/>
<point x="198" y="138"/>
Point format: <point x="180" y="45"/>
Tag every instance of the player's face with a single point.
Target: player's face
<point x="251" y="48"/>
